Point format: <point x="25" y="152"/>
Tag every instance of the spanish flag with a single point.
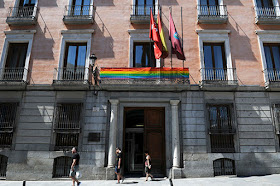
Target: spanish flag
<point x="154" y="35"/>
<point x="161" y="34"/>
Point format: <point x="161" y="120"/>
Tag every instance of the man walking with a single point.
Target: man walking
<point x="118" y="164"/>
<point x="75" y="166"/>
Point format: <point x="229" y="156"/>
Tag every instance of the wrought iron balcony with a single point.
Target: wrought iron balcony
<point x="212" y="14"/>
<point x="13" y="74"/>
<point x="267" y="15"/>
<point x="71" y="77"/>
<point x="272" y="77"/>
<point x="140" y="14"/>
<point x="77" y="14"/>
<point x="22" y="15"/>
<point x="218" y="77"/>
<point x="144" y="76"/>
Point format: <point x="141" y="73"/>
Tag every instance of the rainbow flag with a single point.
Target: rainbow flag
<point x="144" y="73"/>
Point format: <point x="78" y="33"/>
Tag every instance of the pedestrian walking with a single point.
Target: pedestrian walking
<point x="75" y="166"/>
<point x="148" y="166"/>
<point x="119" y="164"/>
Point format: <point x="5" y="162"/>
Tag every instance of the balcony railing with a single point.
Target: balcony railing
<point x="212" y="14"/>
<point x="71" y="74"/>
<point x="13" y="74"/>
<point x="144" y="76"/>
<point x="267" y="15"/>
<point x="79" y="14"/>
<point x="272" y="77"/>
<point x="218" y="75"/>
<point x="141" y="13"/>
<point x="22" y="15"/>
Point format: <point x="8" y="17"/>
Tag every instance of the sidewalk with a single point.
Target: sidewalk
<point x="270" y="180"/>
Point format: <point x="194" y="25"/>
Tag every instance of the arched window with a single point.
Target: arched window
<point x="224" y="166"/>
<point x="61" y="166"/>
<point x="3" y="166"/>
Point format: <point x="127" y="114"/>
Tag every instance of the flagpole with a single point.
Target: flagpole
<point x="170" y="9"/>
<point x="182" y="34"/>
<point x="150" y="42"/>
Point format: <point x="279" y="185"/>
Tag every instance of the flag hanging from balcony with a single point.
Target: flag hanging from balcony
<point x="154" y="35"/>
<point x="161" y="34"/>
<point x="175" y="41"/>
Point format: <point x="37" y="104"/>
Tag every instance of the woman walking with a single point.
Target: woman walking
<point x="148" y="166"/>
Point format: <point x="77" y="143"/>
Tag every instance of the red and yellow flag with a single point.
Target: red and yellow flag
<point x="161" y="34"/>
<point x="154" y="35"/>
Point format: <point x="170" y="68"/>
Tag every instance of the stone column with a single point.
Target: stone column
<point x="113" y="132"/>
<point x="175" y="133"/>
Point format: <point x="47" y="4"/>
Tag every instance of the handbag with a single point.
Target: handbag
<point x="78" y="174"/>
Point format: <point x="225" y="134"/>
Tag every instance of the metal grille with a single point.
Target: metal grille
<point x="273" y="74"/>
<point x="212" y="11"/>
<point x="67" y="125"/>
<point x="70" y="74"/>
<point x="13" y="74"/>
<point x="65" y="141"/>
<point x="224" y="166"/>
<point x="61" y="167"/>
<point x="3" y="165"/>
<point x="68" y="116"/>
<point x="221" y="128"/>
<point x="7" y="122"/>
<point x="218" y="74"/>
<point x="143" y="10"/>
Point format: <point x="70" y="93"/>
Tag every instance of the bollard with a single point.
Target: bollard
<point x="23" y="184"/>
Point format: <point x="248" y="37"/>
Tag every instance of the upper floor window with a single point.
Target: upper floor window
<point x="209" y="2"/>
<point x="144" y="55"/>
<point x="264" y="3"/>
<point x="272" y="56"/>
<point x="80" y="7"/>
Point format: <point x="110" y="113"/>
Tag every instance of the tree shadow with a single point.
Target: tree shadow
<point x="2" y="4"/>
<point x="103" y="3"/>
<point x="47" y="3"/>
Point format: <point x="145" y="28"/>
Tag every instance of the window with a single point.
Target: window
<point x="224" y="166"/>
<point x="144" y="55"/>
<point x="264" y="3"/>
<point x="61" y="167"/>
<point x="7" y="123"/>
<point x="74" y="63"/>
<point x="221" y="130"/>
<point x="26" y="8"/>
<point x="267" y="9"/>
<point x="14" y="67"/>
<point x="80" y="7"/>
<point x="214" y="61"/>
<point x="142" y="7"/>
<point x="272" y="56"/>
<point x="67" y="125"/>
<point x="3" y="166"/>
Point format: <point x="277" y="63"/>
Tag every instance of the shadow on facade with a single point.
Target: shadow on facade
<point x="169" y="3"/>
<point x="234" y="3"/>
<point x="47" y="3"/>
<point x="104" y="3"/>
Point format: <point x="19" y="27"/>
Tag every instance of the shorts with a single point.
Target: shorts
<point x="117" y="170"/>
<point x="73" y="172"/>
<point x="147" y="170"/>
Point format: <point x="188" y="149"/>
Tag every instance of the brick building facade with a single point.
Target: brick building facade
<point x="223" y="120"/>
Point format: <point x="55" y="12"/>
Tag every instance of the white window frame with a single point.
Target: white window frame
<point x="75" y="36"/>
<point x="156" y="6"/>
<point x="139" y="35"/>
<point x="275" y="3"/>
<point x="17" y="5"/>
<point x="220" y="2"/>
<point x="215" y="36"/>
<point x="71" y="3"/>
<point x="267" y="36"/>
<point x="18" y="36"/>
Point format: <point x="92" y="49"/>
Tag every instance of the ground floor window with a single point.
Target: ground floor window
<point x="61" y="167"/>
<point x="224" y="166"/>
<point x="3" y="166"/>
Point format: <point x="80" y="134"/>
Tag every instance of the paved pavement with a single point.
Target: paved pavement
<point x="270" y="180"/>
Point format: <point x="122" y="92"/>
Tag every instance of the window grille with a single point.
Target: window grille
<point x="61" y="167"/>
<point x="3" y="166"/>
<point x="221" y="128"/>
<point x="224" y="166"/>
<point x="7" y="123"/>
<point x="67" y="125"/>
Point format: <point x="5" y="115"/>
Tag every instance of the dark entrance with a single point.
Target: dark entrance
<point x="144" y="130"/>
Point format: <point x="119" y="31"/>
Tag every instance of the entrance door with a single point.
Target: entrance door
<point x="144" y="130"/>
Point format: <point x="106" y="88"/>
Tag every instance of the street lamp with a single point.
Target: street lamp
<point x="92" y="58"/>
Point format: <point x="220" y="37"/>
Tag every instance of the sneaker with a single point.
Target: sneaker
<point x="79" y="184"/>
<point x="122" y="179"/>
